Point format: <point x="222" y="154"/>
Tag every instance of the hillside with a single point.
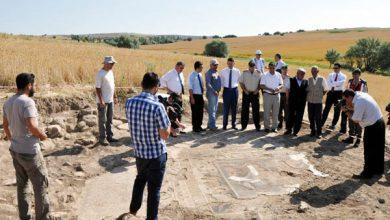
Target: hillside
<point x="300" y="48"/>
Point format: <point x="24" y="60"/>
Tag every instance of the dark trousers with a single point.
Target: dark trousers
<point x="295" y="115"/>
<point x="374" y="148"/>
<point x="331" y="99"/>
<point x="230" y="99"/>
<point x="283" y="110"/>
<point x="105" y="115"/>
<point x="247" y="100"/>
<point x="197" y="112"/>
<point x="354" y="128"/>
<point x="150" y="171"/>
<point x="315" y="115"/>
<point x="31" y="167"/>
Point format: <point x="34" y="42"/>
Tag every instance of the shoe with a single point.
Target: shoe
<point x="318" y="136"/>
<point x="342" y="131"/>
<point x="274" y="130"/>
<point x="348" y="140"/>
<point x="356" y="144"/>
<point x="103" y="143"/>
<point x="214" y="129"/>
<point x="243" y="129"/>
<point x="258" y="129"/>
<point x="362" y="176"/>
<point x="112" y="140"/>
<point x="266" y="130"/>
<point x="235" y="128"/>
<point x="196" y="130"/>
<point x="331" y="127"/>
<point x="224" y="128"/>
<point x="280" y="126"/>
<point x="202" y="130"/>
<point x="288" y="132"/>
<point x="312" y="134"/>
<point x="295" y="134"/>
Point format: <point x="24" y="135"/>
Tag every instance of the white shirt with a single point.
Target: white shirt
<point x="366" y="110"/>
<point x="260" y="64"/>
<point x="194" y="84"/>
<point x="338" y="84"/>
<point x="279" y="64"/>
<point x="324" y="84"/>
<point x="271" y="81"/>
<point x="171" y="80"/>
<point x="106" y="82"/>
<point x="225" y="73"/>
<point x="286" y="83"/>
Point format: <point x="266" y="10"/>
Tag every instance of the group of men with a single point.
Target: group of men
<point x="284" y="100"/>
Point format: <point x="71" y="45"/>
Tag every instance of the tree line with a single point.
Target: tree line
<point x="368" y="54"/>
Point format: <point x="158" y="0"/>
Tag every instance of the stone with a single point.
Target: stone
<point x="79" y="174"/>
<point x="70" y="128"/>
<point x="303" y="207"/>
<point x="124" y="127"/>
<point x="48" y="145"/>
<point x="78" y="168"/>
<point x="58" y="216"/>
<point x="54" y="131"/>
<point x="9" y="182"/>
<point x="87" y="111"/>
<point x="117" y="123"/>
<point x="58" y="121"/>
<point x="68" y="136"/>
<point x="81" y="126"/>
<point x="90" y="120"/>
<point x="85" y="141"/>
<point x="381" y="201"/>
<point x="66" y="164"/>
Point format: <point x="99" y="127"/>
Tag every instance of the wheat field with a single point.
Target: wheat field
<point x="58" y="62"/>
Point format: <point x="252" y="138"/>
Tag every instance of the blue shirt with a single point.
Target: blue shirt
<point x="213" y="81"/>
<point x="194" y="84"/>
<point x="299" y="82"/>
<point x="145" y="115"/>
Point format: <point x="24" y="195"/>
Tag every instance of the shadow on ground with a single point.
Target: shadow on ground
<point x="116" y="163"/>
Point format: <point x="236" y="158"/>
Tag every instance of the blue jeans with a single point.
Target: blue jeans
<point x="149" y="171"/>
<point x="212" y="109"/>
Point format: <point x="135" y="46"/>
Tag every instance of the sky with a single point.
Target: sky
<point x="201" y="17"/>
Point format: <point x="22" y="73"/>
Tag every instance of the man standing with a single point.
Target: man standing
<point x="260" y="62"/>
<point x="316" y="89"/>
<point x="105" y="98"/>
<point x="283" y="109"/>
<point x="213" y="85"/>
<point x="149" y="127"/>
<point x="20" y="121"/>
<point x="367" y="113"/>
<point x="250" y="85"/>
<point x="271" y="83"/>
<point x="335" y="82"/>
<point x="279" y="63"/>
<point x="195" y="85"/>
<point x="358" y="85"/>
<point x="173" y="81"/>
<point x="296" y="102"/>
<point x="229" y="77"/>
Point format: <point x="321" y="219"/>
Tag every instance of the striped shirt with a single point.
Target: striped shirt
<point x="145" y="116"/>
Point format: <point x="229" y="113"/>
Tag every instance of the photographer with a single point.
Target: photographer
<point x="388" y="114"/>
<point x="367" y="113"/>
<point x="174" y="111"/>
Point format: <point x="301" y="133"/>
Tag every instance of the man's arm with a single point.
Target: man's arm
<point x="32" y="125"/>
<point x="100" y="97"/>
<point x="164" y="133"/>
<point x="340" y="81"/>
<point x="163" y="123"/>
<point x="6" y="128"/>
<point x="208" y="82"/>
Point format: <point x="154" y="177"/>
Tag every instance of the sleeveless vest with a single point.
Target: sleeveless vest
<point x="315" y="92"/>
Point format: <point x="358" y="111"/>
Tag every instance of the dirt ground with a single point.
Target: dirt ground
<point x="214" y="175"/>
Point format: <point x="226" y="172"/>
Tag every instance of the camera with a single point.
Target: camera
<point x="341" y="103"/>
<point x="174" y="110"/>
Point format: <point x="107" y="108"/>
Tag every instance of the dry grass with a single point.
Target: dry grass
<point x="59" y="62"/>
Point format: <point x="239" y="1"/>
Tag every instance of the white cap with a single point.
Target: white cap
<point x="109" y="59"/>
<point x="301" y="70"/>
<point x="258" y="52"/>
<point x="214" y="62"/>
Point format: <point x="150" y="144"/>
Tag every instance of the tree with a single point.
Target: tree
<point x="204" y="37"/>
<point x="277" y="33"/>
<point x="266" y="34"/>
<point x="216" y="37"/>
<point x="332" y="56"/>
<point x="216" y="48"/>
<point x="365" y="53"/>
<point x="300" y="31"/>
<point x="230" y="36"/>
<point x="383" y="57"/>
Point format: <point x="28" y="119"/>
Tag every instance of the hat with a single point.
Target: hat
<point x="285" y="66"/>
<point x="357" y="70"/>
<point x="251" y="63"/>
<point x="214" y="62"/>
<point x="258" y="52"/>
<point x="301" y="70"/>
<point x="109" y="59"/>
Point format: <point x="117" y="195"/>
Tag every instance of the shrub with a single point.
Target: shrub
<point x="332" y="56"/>
<point x="216" y="37"/>
<point x="277" y="33"/>
<point x="230" y="36"/>
<point x="383" y="57"/>
<point x="365" y="53"/>
<point x="300" y="31"/>
<point x="204" y="37"/>
<point x="266" y="34"/>
<point x="216" y="48"/>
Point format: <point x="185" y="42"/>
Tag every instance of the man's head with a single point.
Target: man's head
<point x="251" y="66"/>
<point x="314" y="71"/>
<point x="173" y="98"/>
<point x="179" y="67"/>
<point x="271" y="67"/>
<point x="108" y="63"/>
<point x="150" y="82"/>
<point x="198" y="66"/>
<point x="230" y="62"/>
<point x="284" y="69"/>
<point x="278" y="57"/>
<point x="214" y="64"/>
<point x="258" y="54"/>
<point x="301" y="73"/>
<point x="348" y="96"/>
<point x="336" y="67"/>
<point x="356" y="74"/>
<point x="25" y="83"/>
